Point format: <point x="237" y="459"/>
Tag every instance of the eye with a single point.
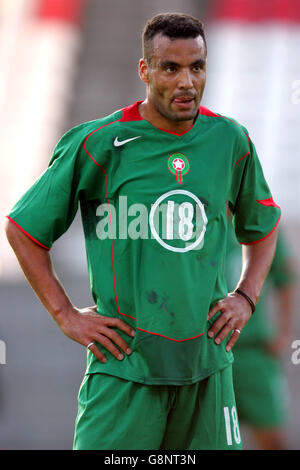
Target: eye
<point x="170" y="69"/>
<point x="197" y="68"/>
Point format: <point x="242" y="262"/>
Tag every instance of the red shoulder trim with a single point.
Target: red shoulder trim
<point x="131" y="113"/>
<point x="207" y="112"/>
<point x="268" y="202"/>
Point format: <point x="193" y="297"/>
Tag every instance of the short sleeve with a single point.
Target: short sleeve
<point x="49" y="206"/>
<point x="255" y="213"/>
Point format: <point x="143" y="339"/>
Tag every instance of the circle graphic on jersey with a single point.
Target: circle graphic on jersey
<point x="179" y="165"/>
<point x="178" y="221"/>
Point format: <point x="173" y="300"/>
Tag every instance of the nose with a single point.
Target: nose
<point x="185" y="80"/>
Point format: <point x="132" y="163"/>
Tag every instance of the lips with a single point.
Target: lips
<point x="184" y="101"/>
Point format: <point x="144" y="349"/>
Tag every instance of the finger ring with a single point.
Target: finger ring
<point x="237" y="330"/>
<point x="89" y="345"/>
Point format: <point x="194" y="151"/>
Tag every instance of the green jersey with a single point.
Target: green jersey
<point x="154" y="207"/>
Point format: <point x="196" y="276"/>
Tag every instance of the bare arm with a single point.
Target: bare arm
<point x="235" y="309"/>
<point x="81" y="325"/>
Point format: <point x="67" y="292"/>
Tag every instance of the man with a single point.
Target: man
<point x="262" y="404"/>
<point x="158" y="368"/>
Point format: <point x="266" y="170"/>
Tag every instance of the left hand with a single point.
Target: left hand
<point x="235" y="313"/>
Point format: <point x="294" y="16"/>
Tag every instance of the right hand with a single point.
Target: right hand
<point x="85" y="326"/>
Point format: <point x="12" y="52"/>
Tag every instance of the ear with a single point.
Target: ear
<point x="143" y="70"/>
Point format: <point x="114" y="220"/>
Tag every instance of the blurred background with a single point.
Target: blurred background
<point x="63" y="62"/>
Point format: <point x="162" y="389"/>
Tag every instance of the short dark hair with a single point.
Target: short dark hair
<point x="172" y="25"/>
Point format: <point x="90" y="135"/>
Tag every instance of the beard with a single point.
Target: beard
<point x="164" y="108"/>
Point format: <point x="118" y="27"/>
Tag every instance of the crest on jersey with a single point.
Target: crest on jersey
<point x="179" y="165"/>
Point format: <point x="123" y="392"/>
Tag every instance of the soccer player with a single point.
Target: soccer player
<point x="262" y="403"/>
<point x="154" y="181"/>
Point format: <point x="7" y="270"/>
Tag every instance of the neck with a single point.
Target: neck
<point x="150" y="114"/>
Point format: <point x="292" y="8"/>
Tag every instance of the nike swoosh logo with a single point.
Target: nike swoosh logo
<point x="118" y="143"/>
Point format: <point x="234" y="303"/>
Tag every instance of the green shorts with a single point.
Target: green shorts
<point x="260" y="388"/>
<point x="115" y="414"/>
